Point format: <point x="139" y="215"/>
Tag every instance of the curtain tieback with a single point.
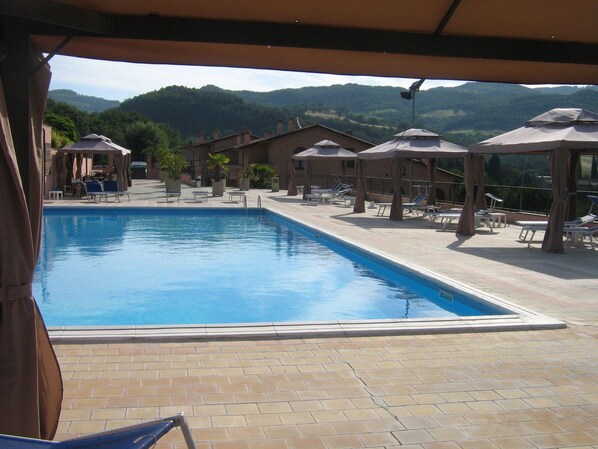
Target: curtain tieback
<point x="15" y="292"/>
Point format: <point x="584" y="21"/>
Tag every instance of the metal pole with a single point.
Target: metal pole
<point x="413" y="110"/>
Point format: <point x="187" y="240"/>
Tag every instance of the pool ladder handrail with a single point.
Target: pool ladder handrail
<point x="245" y="201"/>
<point x="259" y="201"/>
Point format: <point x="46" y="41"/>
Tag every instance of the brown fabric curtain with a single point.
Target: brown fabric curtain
<point x="466" y="225"/>
<point x="79" y="162"/>
<point x="553" y="238"/>
<point x="572" y="183"/>
<point x="396" y="208"/>
<point x="478" y="174"/>
<point x="127" y="170"/>
<point x="432" y="163"/>
<point x="119" y="163"/>
<point x="68" y="160"/>
<point x="292" y="183"/>
<point x="30" y="380"/>
<point x="307" y="186"/>
<point x="359" y="206"/>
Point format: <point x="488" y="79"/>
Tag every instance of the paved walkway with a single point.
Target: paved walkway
<point x="536" y="389"/>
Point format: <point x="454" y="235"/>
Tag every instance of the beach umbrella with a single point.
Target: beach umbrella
<point x="325" y="149"/>
<point x="564" y="134"/>
<point x="410" y="144"/>
<point x="30" y="380"/>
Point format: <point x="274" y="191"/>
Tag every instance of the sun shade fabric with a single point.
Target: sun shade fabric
<point x="138" y="437"/>
<point x="568" y="129"/>
<point x="396" y="207"/>
<point x="359" y="206"/>
<point x="553" y="237"/>
<point x="415" y="143"/>
<point x="94" y="144"/>
<point x="494" y="43"/>
<point x="30" y="380"/>
<point x="325" y="149"/>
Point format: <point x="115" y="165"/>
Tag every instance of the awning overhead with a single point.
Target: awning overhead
<point x="536" y="41"/>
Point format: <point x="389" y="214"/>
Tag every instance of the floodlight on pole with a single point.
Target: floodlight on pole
<point x="410" y="95"/>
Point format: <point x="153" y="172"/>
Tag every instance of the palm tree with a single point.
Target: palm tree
<point x="219" y="163"/>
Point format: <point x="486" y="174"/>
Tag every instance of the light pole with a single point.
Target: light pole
<point x="411" y="96"/>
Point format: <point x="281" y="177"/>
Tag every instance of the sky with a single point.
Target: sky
<point x="119" y="80"/>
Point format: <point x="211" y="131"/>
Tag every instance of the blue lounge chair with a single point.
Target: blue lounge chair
<point x="111" y="187"/>
<point x="140" y="436"/>
<point x="94" y="190"/>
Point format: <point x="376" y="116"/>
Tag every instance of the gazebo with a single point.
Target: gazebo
<point x="101" y="145"/>
<point x="564" y="134"/>
<point x="325" y="149"/>
<point x="409" y="144"/>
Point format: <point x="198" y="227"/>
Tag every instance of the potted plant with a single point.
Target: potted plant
<point x="172" y="164"/>
<point x="219" y="164"/>
<point x="260" y="175"/>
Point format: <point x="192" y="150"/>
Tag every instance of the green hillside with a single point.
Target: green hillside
<point x="82" y="102"/>
<point x="467" y="113"/>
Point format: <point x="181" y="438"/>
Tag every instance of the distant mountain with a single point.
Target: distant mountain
<point x="82" y="102"/>
<point x="465" y="114"/>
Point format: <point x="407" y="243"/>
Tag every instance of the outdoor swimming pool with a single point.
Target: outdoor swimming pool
<point x="142" y="266"/>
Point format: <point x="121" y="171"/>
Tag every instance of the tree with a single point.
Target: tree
<point x="144" y="137"/>
<point x="219" y="163"/>
<point x="260" y="174"/>
<point x="64" y="131"/>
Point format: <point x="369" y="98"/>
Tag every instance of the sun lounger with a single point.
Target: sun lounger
<point x="493" y="201"/>
<point x="139" y="436"/>
<point x="535" y="226"/>
<point x="577" y="234"/>
<point x="95" y="190"/>
<point x="445" y="218"/>
<point x="594" y="202"/>
<point x="111" y="187"/>
<point x="176" y="195"/>
<point x="416" y="204"/>
<point x="199" y="196"/>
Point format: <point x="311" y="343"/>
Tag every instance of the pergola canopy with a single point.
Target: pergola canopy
<point x="532" y="41"/>
<point x="95" y="144"/>
<point x="415" y="143"/>
<point x="325" y="149"/>
<point x="565" y="129"/>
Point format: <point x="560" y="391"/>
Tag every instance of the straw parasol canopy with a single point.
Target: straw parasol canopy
<point x="325" y="149"/>
<point x="564" y="134"/>
<point x="409" y="144"/>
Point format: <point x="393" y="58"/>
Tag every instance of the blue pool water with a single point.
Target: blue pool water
<point x="148" y="267"/>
